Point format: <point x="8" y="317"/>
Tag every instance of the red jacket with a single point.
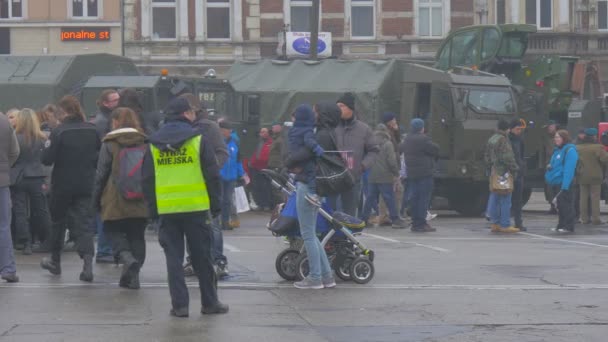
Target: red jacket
<point x="259" y="159"/>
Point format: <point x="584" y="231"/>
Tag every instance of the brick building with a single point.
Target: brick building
<point x="188" y="36"/>
<point x="59" y="27"/>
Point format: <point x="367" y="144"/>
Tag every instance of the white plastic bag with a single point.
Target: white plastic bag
<point x="240" y="200"/>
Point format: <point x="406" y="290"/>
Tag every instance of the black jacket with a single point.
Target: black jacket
<point x="420" y="153"/>
<point x="72" y="150"/>
<point x="28" y="164"/>
<point x="329" y="118"/>
<point x="173" y="134"/>
<point x="211" y="131"/>
<point x="517" y="144"/>
<point x="102" y="121"/>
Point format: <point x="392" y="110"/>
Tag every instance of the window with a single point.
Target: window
<point x="300" y="12"/>
<point x="464" y="46"/>
<point x="164" y="22"/>
<point x="602" y="15"/>
<point x="5" y="41"/>
<point x="362" y="18"/>
<point x="430" y="18"/>
<point x="10" y="9"/>
<point x="443" y="62"/>
<point x="218" y="19"/>
<point x="539" y="13"/>
<point x="491" y="38"/>
<point x="85" y="8"/>
<point x="501" y="10"/>
<point x="491" y="101"/>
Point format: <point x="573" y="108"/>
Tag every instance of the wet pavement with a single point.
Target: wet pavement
<point x="461" y="283"/>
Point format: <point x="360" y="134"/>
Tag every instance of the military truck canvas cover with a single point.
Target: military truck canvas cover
<point x="33" y="81"/>
<point x="282" y="85"/>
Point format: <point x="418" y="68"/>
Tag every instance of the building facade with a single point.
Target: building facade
<point x="60" y="27"/>
<point x="189" y="36"/>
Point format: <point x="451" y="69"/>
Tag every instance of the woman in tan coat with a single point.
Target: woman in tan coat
<point x="589" y="174"/>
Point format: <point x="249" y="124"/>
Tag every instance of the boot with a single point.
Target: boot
<point x="87" y="269"/>
<point x="52" y="264"/>
<point x="218" y="308"/>
<point x="134" y="283"/>
<point x="495" y="228"/>
<point x="130" y="266"/>
<point x="27" y="248"/>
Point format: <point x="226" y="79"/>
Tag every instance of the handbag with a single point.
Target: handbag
<point x="332" y="176"/>
<point x="240" y="200"/>
<point x="501" y="184"/>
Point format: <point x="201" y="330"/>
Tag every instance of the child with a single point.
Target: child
<point x="302" y="136"/>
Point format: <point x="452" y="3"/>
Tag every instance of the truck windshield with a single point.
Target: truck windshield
<point x="513" y="45"/>
<point x="491" y="101"/>
<point x="216" y="102"/>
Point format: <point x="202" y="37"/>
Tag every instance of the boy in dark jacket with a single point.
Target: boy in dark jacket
<point x="302" y="135"/>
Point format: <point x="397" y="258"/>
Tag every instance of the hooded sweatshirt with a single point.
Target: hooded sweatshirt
<point x="562" y="166"/>
<point x="174" y="133"/>
<point x="107" y="199"/>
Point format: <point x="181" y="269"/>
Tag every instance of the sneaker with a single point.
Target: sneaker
<point x="310" y="284"/>
<point x="181" y="313"/>
<point x="386" y="223"/>
<point x="399" y="224"/>
<point x="554" y="229"/>
<point x="430" y="216"/>
<point x="13" y="278"/>
<point x="218" y="308"/>
<point x="509" y="230"/>
<point x="51" y="266"/>
<point x="234" y="223"/>
<point x="222" y="270"/>
<point x="428" y="228"/>
<point x="329" y="283"/>
<point x="564" y="230"/>
<point x="27" y="249"/>
<point x="495" y="228"/>
<point x="189" y="270"/>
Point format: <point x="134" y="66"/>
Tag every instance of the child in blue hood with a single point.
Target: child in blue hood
<point x="559" y="176"/>
<point x="301" y="136"/>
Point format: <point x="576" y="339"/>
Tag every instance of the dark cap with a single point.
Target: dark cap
<point x="194" y="101"/>
<point x="549" y="123"/>
<point x="177" y="107"/>
<point x="225" y="124"/>
<point x="348" y="99"/>
<point x="388" y="116"/>
<point x="592" y="132"/>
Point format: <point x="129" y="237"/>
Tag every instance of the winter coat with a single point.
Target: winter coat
<point x="9" y="150"/>
<point x="592" y="158"/>
<point x="499" y="154"/>
<point x="259" y="160"/>
<point x="211" y="131"/>
<point x="517" y="145"/>
<point x="356" y="136"/>
<point x="420" y="153"/>
<point x="28" y="164"/>
<point x="172" y="135"/>
<point x="385" y="169"/>
<point x="274" y="156"/>
<point x="106" y="197"/>
<point x="329" y="118"/>
<point x="233" y="168"/>
<point x="562" y="167"/>
<point x="302" y="137"/>
<point x="72" y="150"/>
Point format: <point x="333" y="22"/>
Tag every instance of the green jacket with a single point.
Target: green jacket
<point x="591" y="159"/>
<point x="499" y="154"/>
<point x="275" y="160"/>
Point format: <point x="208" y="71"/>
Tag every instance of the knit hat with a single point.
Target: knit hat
<point x="591" y="132"/>
<point x="177" y="107"/>
<point x="388" y="116"/>
<point x="348" y="100"/>
<point x="417" y="125"/>
<point x="503" y="125"/>
<point x="304" y="116"/>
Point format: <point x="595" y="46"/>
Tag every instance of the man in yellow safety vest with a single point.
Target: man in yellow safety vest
<point x="181" y="186"/>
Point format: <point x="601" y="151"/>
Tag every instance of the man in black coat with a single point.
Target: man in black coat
<point x="517" y="144"/>
<point x="420" y="154"/>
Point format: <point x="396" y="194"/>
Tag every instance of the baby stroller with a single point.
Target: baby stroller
<point x="349" y="258"/>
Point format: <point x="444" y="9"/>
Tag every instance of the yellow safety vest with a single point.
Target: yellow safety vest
<point x="179" y="182"/>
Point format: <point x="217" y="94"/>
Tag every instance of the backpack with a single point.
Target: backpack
<point x="129" y="178"/>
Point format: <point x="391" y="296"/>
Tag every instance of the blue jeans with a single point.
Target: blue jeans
<point x="227" y="197"/>
<point x="318" y="263"/>
<point x="7" y="258"/>
<point x="104" y="248"/>
<point x="421" y="190"/>
<point x="499" y="207"/>
<point x="375" y="190"/>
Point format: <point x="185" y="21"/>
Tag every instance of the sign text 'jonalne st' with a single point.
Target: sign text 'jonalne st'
<point x="79" y="34"/>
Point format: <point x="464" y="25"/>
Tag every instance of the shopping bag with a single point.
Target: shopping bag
<point x="501" y="184"/>
<point x="240" y="200"/>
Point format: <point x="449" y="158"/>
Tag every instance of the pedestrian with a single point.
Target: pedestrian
<point x="9" y="152"/>
<point x="27" y="178"/>
<point x="181" y="187"/>
<point x="234" y="220"/>
<point x="72" y="149"/>
<point x="592" y="159"/>
<point x="11" y="114"/>
<point x="108" y="101"/>
<point x="559" y="176"/>
<point x="548" y="146"/>
<point x="389" y="119"/>
<point x="117" y="193"/>
<point x="383" y="174"/>
<point x="320" y="273"/>
<point x="517" y="127"/>
<point x="47" y="117"/>
<point x="420" y="153"/>
<point x="356" y="140"/>
<point x="130" y="98"/>
<point x="500" y="159"/>
<point x="258" y="162"/>
<point x="275" y="161"/>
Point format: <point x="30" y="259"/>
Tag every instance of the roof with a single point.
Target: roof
<point x="328" y="75"/>
<point x="122" y="82"/>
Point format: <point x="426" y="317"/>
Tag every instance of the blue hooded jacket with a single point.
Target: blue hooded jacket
<point x="301" y="136"/>
<point x="233" y="168"/>
<point x="562" y="166"/>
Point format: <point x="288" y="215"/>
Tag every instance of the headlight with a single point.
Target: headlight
<point x="463" y="169"/>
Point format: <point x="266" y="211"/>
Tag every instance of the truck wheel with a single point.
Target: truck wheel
<point x="470" y="202"/>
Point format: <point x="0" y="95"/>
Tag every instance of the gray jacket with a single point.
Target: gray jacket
<point x="29" y="164"/>
<point x="212" y="133"/>
<point x="356" y="136"/>
<point x="385" y="169"/>
<point x="9" y="150"/>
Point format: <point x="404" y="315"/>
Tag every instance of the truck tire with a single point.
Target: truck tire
<point x="471" y="202"/>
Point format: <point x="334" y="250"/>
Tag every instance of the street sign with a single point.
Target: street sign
<point x="298" y="44"/>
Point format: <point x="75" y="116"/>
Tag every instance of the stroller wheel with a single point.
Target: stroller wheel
<point x="343" y="270"/>
<point x="362" y="270"/>
<point x="286" y="264"/>
<point x="302" y="266"/>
